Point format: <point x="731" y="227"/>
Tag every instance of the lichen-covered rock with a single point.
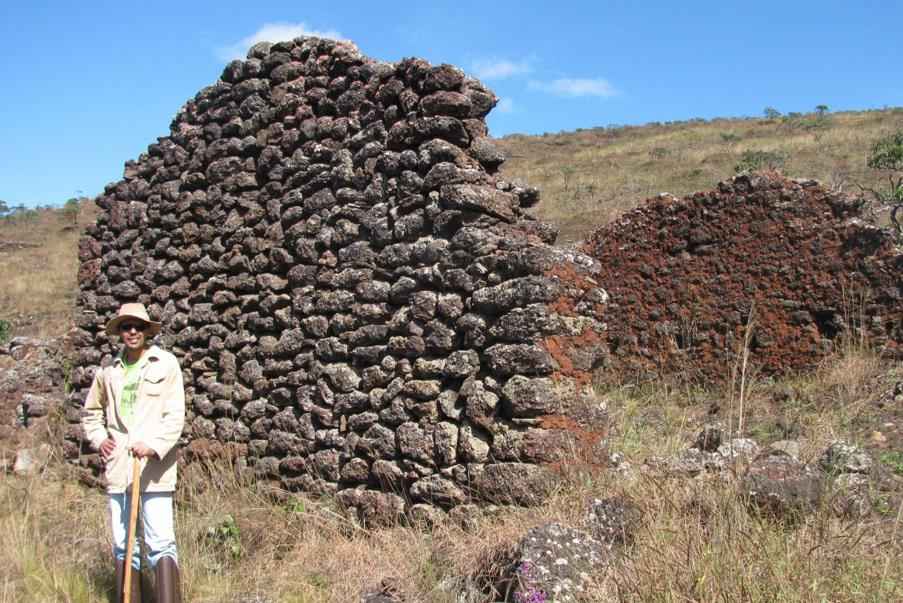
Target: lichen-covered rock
<point x="851" y="495"/>
<point x="556" y="561"/>
<point x="356" y="298"/>
<point x="841" y="458"/>
<point x="613" y="521"/>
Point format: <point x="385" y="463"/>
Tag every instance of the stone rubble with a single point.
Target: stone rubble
<point x="773" y="479"/>
<point x="31" y="390"/>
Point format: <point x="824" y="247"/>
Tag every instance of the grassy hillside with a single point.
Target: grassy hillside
<point x="38" y="265"/>
<point x="589" y="177"/>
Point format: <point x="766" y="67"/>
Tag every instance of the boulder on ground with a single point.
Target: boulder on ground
<point x="780" y="486"/>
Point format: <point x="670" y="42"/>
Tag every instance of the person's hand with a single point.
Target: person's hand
<point x="142" y="450"/>
<point x="106" y="449"/>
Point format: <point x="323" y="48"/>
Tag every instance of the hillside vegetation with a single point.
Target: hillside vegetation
<point x="590" y="176"/>
<point x="38" y="266"/>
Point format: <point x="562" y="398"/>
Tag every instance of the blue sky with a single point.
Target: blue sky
<point x="88" y="85"/>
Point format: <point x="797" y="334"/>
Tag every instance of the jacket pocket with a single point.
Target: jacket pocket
<point x="153" y="383"/>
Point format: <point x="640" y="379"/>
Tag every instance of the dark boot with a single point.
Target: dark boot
<point x="120" y="588"/>
<point x="168" y="589"/>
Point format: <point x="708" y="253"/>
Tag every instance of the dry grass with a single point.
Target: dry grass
<point x="591" y="176"/>
<point x="697" y="541"/>
<point x="701" y="544"/>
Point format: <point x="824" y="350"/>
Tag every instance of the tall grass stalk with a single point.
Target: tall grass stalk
<point x="740" y="371"/>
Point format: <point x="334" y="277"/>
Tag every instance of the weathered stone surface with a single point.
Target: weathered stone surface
<point x="480" y="403"/>
<point x="613" y="521"/>
<point x="781" y="486"/>
<point x="526" y="397"/>
<point x="464" y="196"/>
<point x="415" y="443"/>
<point x="511" y="483"/>
<point x="519" y="358"/>
<point x="555" y="561"/>
<point x="371" y="507"/>
<point x="437" y="490"/>
<point x="29" y="461"/>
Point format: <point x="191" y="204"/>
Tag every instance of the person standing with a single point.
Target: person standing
<point x="136" y="407"/>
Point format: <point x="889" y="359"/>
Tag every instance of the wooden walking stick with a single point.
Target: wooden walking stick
<point x="133" y="524"/>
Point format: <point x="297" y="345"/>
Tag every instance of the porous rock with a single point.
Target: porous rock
<point x="762" y="261"/>
<point x="346" y="281"/>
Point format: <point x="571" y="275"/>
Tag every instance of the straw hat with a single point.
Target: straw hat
<point x="136" y="312"/>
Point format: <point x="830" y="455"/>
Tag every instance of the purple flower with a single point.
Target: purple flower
<point x="531" y="595"/>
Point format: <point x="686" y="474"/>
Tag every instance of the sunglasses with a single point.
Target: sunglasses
<point x="137" y="326"/>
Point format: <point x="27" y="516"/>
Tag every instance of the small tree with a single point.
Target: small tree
<point x="821" y="110"/>
<point x="4" y="209"/>
<point x="887" y="155"/>
<point x="771" y="113"/>
<point x="70" y="210"/>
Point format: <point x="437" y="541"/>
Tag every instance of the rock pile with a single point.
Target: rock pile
<point x="31" y="384"/>
<point x="31" y="379"/>
<point x="686" y="276"/>
<point x="359" y="304"/>
<point x="773" y="479"/>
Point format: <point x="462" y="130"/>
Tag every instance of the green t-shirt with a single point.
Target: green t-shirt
<point x="129" y="389"/>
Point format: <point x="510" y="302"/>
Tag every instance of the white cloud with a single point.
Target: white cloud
<point x="273" y="32"/>
<point x="505" y="105"/>
<point x="576" y="87"/>
<point x="498" y="69"/>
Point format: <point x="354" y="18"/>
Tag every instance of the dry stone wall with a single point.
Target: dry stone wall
<point x="687" y="275"/>
<point x="359" y="304"/>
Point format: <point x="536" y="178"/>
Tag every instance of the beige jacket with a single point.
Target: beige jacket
<point x="157" y="420"/>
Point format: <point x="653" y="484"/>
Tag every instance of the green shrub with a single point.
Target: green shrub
<point x="226" y="536"/>
<point x="893" y="460"/>
<point x="887" y="153"/>
<point x="752" y="160"/>
<point x="6" y="331"/>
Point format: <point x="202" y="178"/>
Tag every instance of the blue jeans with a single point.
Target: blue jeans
<point x="157" y="521"/>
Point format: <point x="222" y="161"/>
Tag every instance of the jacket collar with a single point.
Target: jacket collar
<point x="152" y="354"/>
